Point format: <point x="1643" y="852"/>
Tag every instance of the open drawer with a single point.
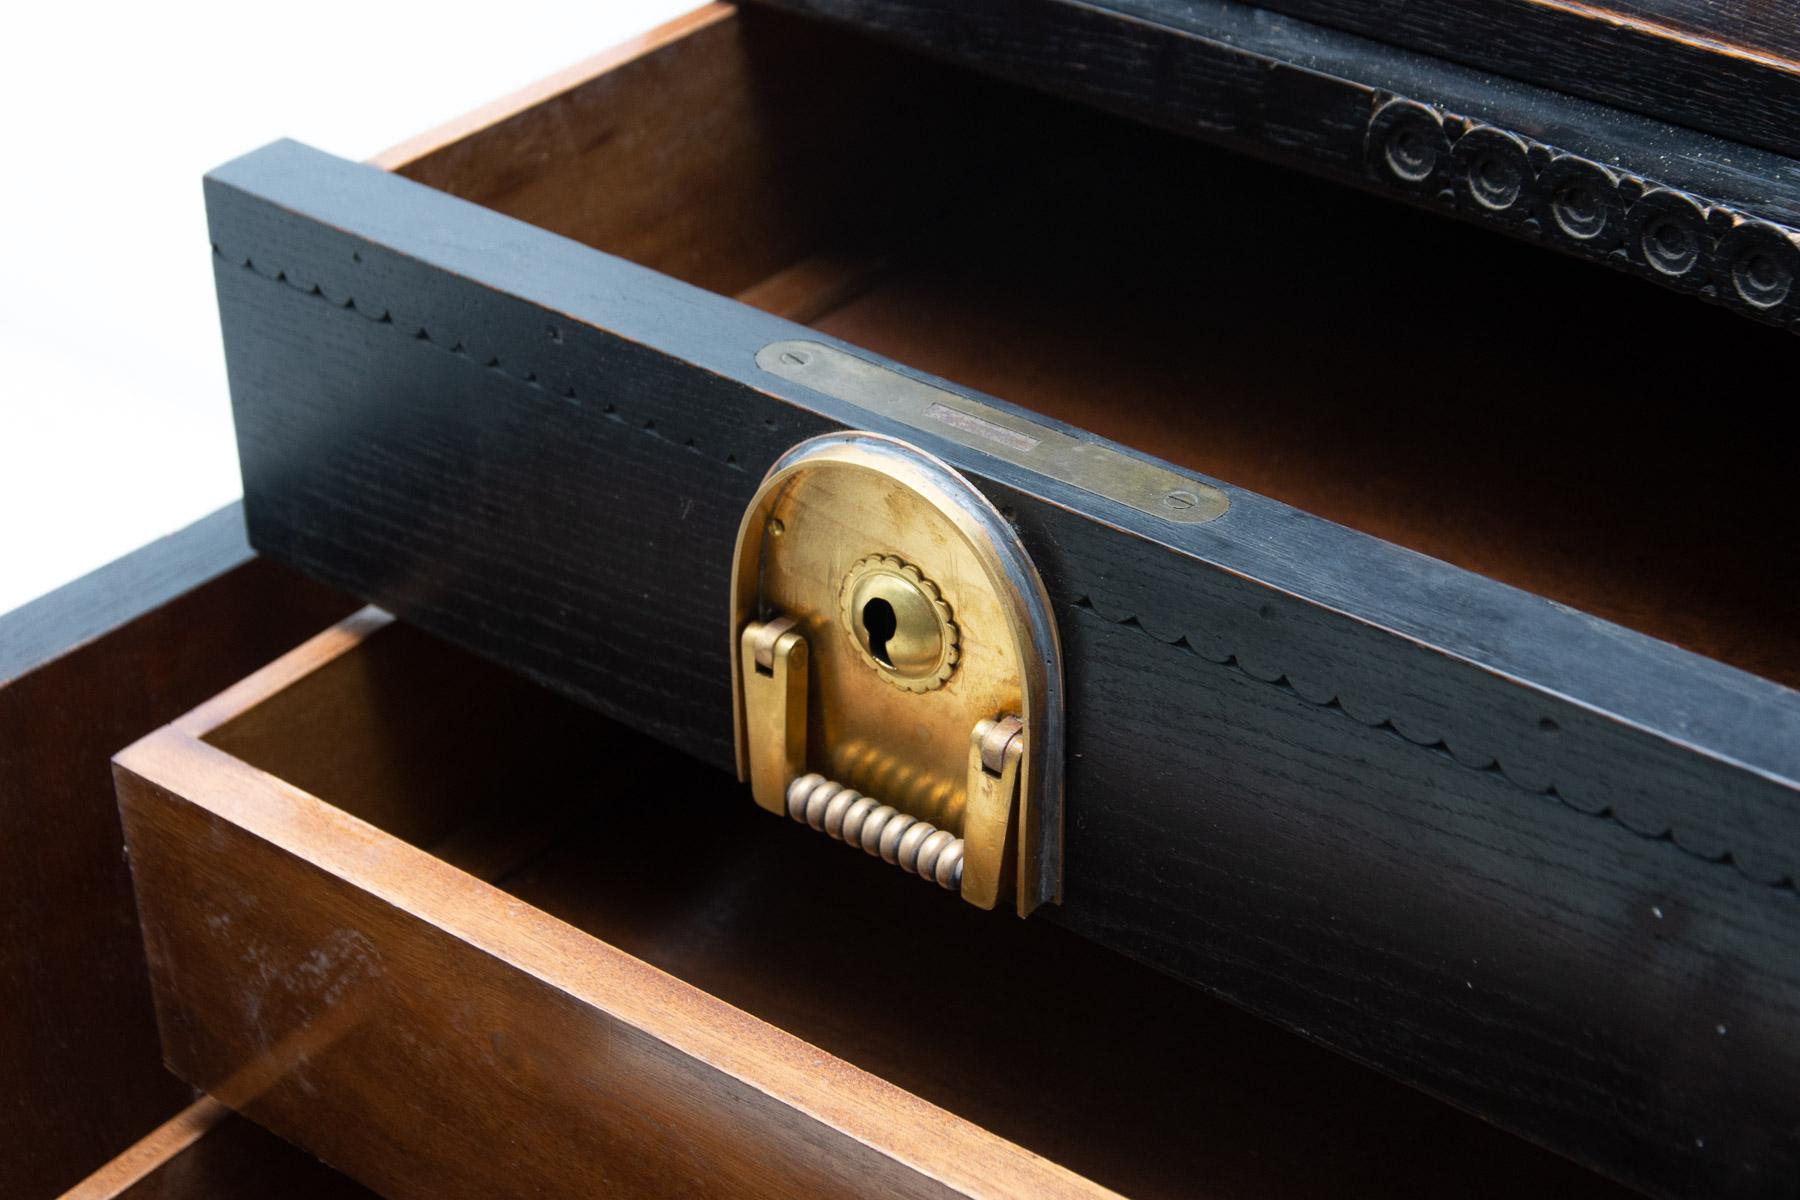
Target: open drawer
<point x="1440" y="711"/>
<point x="460" y="938"/>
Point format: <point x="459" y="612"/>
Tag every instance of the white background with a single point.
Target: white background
<point x="114" y="421"/>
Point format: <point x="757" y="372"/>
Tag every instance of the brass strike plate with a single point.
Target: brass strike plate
<point x="1060" y="454"/>
<point x="896" y="670"/>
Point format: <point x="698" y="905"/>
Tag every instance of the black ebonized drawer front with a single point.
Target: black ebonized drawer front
<point x="1535" y="861"/>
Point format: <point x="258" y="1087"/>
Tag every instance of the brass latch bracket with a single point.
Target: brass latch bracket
<point x="774" y="687"/>
<point x="896" y="671"/>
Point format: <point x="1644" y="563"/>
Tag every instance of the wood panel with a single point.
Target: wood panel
<point x="711" y="149"/>
<point x="1731" y="69"/>
<point x="1704" y="214"/>
<point x="401" y="986"/>
<point x="1295" y="750"/>
<point x="86" y="669"/>
<point x="1151" y="328"/>
<point x="487" y="126"/>
<point x="424" y="748"/>
<point x="1108" y="1068"/>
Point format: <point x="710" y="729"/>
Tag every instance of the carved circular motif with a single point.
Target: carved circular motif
<point x="1670" y="247"/>
<point x="1760" y="262"/>
<point x="1666" y="231"/>
<point x="1494" y="171"/>
<point x="1407" y="144"/>
<point x="1495" y="183"/>
<point x="1588" y="207"/>
<point x="1581" y="202"/>
<point x="1761" y="279"/>
<point x="899" y="623"/>
<point x="1580" y="211"/>
<point x="1410" y="154"/>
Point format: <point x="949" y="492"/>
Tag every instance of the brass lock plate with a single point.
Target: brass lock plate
<point x="883" y="610"/>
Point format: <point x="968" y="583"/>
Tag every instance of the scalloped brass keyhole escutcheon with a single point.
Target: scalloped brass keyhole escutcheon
<point x="896" y="673"/>
<point x="901" y="622"/>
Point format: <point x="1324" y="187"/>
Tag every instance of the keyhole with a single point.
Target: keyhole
<point x="878" y="620"/>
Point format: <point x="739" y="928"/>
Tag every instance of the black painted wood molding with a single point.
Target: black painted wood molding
<point x="1729" y="69"/>
<point x="1534" y="863"/>
<point x="1692" y="211"/>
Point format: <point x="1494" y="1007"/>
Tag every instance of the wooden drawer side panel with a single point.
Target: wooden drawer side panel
<point x="432" y="1037"/>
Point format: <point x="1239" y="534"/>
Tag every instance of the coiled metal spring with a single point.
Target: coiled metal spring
<point x="881" y="829"/>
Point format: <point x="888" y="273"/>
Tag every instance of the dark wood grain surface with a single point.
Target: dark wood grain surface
<point x="1520" y="857"/>
<point x="1106" y="1067"/>
<point x="1729" y="68"/>
<point x="87" y="669"/>
<point x="1147" y="326"/>
<point x="1588" y="481"/>
<point x="1703" y="213"/>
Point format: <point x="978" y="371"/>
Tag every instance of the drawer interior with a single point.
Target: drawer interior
<point x="1107" y="1067"/>
<point x="206" y="1151"/>
<point x="1559" y="427"/>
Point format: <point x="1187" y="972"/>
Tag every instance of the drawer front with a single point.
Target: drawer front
<point x="1527" y="860"/>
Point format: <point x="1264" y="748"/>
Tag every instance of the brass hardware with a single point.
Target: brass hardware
<point x="773" y="681"/>
<point x="1059" y="453"/>
<point x="896" y="670"/>
<point x="899" y="620"/>
<point x="881" y="829"/>
<point x="996" y="748"/>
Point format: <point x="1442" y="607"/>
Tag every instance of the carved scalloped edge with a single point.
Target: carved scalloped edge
<point x="1484" y="764"/>
<point x="378" y="314"/>
<point x="1605" y="213"/>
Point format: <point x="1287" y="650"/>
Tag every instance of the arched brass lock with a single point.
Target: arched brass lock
<point x="896" y="671"/>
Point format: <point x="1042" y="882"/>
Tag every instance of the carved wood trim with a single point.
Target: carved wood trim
<point x="1625" y="219"/>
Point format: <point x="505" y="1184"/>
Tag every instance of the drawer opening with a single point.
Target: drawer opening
<point x="1531" y="418"/>
<point x="1113" y="1070"/>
